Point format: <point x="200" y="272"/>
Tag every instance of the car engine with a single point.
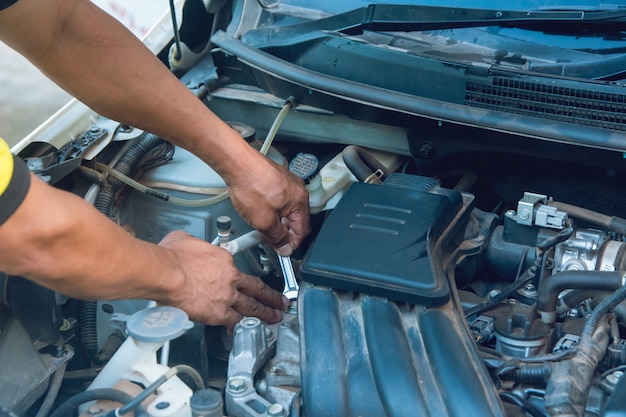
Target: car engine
<point x="451" y="271"/>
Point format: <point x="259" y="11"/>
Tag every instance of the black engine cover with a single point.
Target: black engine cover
<point x="380" y="333"/>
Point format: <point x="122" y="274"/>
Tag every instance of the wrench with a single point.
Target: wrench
<point x="291" y="285"/>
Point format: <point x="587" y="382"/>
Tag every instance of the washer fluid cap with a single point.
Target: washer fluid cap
<point x="305" y="166"/>
<point x="157" y="324"/>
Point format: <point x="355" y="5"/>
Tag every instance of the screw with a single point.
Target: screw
<point x="275" y="410"/>
<point x="236" y="385"/>
<point x="524" y="214"/>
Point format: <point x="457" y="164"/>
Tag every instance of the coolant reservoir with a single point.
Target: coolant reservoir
<point x="147" y="330"/>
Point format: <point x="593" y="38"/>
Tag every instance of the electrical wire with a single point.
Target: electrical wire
<point x="521" y="280"/>
<point x="175" y="29"/>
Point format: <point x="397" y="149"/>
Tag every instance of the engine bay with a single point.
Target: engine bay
<point x="450" y="271"/>
<point x="435" y="280"/>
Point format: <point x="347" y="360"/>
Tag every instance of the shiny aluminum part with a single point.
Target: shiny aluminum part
<point x="253" y="346"/>
<point x="590" y="250"/>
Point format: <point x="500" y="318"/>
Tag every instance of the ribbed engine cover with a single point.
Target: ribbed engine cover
<point x="385" y="338"/>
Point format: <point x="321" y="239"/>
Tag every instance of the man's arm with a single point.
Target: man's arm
<point x="100" y="62"/>
<point x="58" y="240"/>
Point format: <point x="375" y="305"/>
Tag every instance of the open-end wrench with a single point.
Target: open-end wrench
<point x="291" y="285"/>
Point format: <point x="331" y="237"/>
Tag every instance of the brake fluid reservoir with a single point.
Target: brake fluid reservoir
<point x="322" y="183"/>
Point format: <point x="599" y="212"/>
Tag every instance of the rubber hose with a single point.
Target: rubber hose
<point x="126" y="165"/>
<point x="89" y="327"/>
<point x="532" y="373"/>
<point x="69" y="407"/>
<point x="363" y="164"/>
<point x="552" y="285"/>
<point x="580" y="213"/>
<point x="612" y="223"/>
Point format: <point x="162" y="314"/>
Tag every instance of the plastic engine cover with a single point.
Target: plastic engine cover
<point x="364" y="354"/>
<point x="378" y="240"/>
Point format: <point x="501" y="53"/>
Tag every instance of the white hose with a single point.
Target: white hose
<point x="203" y="201"/>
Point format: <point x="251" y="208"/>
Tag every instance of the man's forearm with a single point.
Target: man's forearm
<point x="97" y="60"/>
<point x="63" y="243"/>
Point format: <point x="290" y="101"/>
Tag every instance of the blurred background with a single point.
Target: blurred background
<point x="27" y="97"/>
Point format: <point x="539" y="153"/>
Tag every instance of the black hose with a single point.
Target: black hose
<point x="70" y="406"/>
<point x="364" y="166"/>
<point x="89" y="327"/>
<point x="611" y="223"/>
<point x="552" y="285"/>
<point x="532" y="373"/>
<point x="126" y="165"/>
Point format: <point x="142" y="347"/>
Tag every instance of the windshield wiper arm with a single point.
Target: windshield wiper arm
<point x="405" y="18"/>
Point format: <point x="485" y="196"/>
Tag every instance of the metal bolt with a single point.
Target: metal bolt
<point x="524" y="214"/>
<point x="293" y="308"/>
<point x="237" y="385"/>
<point x="493" y="293"/>
<point x="528" y="291"/>
<point x="275" y="410"/>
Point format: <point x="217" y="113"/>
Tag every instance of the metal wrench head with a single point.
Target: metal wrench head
<point x="291" y="284"/>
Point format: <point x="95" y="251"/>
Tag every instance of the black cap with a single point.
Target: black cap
<point x="207" y="402"/>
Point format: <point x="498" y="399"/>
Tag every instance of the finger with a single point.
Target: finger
<point x="278" y="236"/>
<point x="299" y="227"/>
<point x="250" y="307"/>
<point x="254" y="287"/>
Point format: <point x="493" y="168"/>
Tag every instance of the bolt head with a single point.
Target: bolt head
<point x="236" y="385"/>
<point x="275" y="410"/>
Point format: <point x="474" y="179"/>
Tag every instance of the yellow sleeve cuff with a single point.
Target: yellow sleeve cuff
<point x="6" y="166"/>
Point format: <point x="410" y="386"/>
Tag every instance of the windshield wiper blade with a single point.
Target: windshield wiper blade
<point x="405" y="18"/>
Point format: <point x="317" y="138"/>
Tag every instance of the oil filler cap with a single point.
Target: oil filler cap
<point x="305" y="166"/>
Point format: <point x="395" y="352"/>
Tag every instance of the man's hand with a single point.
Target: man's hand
<point x="213" y="290"/>
<point x="274" y="201"/>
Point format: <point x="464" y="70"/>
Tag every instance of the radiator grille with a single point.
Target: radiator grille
<point x="589" y="108"/>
